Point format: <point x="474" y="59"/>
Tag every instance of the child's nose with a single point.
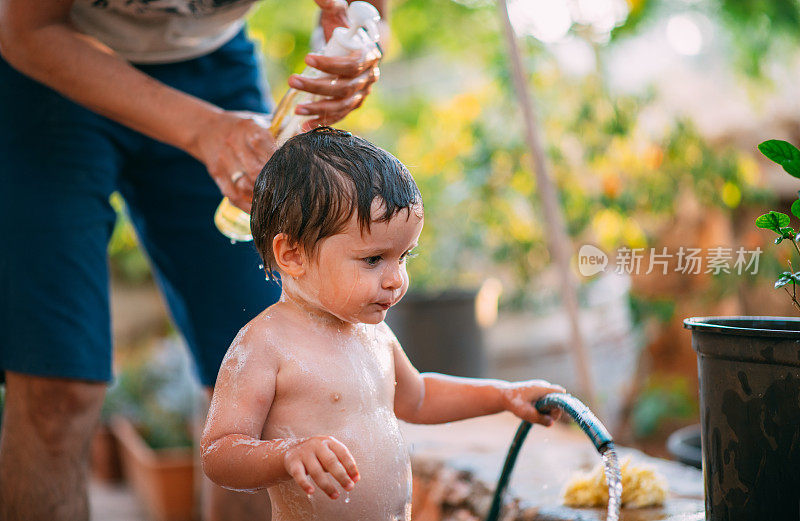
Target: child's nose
<point x="393" y="278"/>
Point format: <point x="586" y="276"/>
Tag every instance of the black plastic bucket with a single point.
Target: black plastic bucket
<point x="749" y="369"/>
<point x="440" y="333"/>
<point x="684" y="445"/>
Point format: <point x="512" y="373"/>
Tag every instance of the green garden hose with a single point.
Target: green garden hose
<point x="585" y="419"/>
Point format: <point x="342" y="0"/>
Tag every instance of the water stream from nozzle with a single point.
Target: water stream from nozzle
<point x="593" y="428"/>
<point x="614" y="480"/>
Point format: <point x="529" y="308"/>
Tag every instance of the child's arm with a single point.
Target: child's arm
<point x="233" y="454"/>
<point x="438" y="398"/>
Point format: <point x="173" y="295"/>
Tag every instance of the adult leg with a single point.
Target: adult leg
<point x="213" y="287"/>
<point x="55" y="336"/>
<point x="219" y="504"/>
<point x="44" y="447"/>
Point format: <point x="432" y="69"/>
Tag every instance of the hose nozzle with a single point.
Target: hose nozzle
<point x="585" y="419"/>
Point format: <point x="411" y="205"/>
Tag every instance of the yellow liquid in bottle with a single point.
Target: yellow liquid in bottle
<point x="230" y="220"/>
<point x="233" y="222"/>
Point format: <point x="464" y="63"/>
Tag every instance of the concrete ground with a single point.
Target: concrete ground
<point x="114" y="503"/>
<point x="477" y="448"/>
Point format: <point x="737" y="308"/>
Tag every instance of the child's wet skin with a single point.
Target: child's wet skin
<point x="337" y="379"/>
<point x="355" y="277"/>
<point x="349" y="398"/>
<point x="308" y="396"/>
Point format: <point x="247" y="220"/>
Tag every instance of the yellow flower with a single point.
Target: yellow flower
<point x="749" y="170"/>
<point x="633" y="235"/>
<point x="280" y="45"/>
<point x="607" y="226"/>
<point x="611" y="184"/>
<point x="731" y="195"/>
<point x="653" y="157"/>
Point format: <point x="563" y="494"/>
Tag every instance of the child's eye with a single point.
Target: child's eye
<point x="372" y="261"/>
<point x="407" y="255"/>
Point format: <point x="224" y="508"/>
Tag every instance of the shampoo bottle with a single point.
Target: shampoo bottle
<point x="362" y="33"/>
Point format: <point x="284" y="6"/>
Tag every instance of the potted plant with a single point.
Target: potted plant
<point x="153" y="402"/>
<point x="104" y="450"/>
<point x="749" y="370"/>
<point x="162" y="478"/>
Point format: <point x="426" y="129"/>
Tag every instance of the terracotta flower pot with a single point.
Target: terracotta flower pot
<point x="163" y="479"/>
<point x="105" y="461"/>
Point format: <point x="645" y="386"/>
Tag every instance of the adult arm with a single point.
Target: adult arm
<point x="438" y="398"/>
<point x="37" y="39"/>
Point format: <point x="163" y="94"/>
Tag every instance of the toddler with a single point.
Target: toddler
<point x="308" y="396"/>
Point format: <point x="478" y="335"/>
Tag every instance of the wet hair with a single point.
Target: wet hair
<point x="312" y="185"/>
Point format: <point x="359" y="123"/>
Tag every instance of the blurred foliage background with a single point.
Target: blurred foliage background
<point x="445" y="107"/>
<point x="628" y="141"/>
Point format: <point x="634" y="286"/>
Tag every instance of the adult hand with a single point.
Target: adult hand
<point x="234" y="147"/>
<point x="347" y="83"/>
<point x="333" y="14"/>
<point x="348" y="79"/>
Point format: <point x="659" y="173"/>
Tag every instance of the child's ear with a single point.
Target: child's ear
<point x="288" y="255"/>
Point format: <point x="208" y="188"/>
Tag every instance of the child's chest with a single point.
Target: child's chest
<point x="354" y="375"/>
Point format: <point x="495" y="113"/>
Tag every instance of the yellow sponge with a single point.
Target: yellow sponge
<point x="641" y="487"/>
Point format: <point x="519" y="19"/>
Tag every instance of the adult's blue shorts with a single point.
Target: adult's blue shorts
<point x="59" y="163"/>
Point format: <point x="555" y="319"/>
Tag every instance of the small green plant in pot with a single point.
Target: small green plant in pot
<point x="787" y="156"/>
<point x="158" y="394"/>
<point x="749" y="370"/>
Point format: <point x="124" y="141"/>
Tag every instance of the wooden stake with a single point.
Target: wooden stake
<point x="558" y="241"/>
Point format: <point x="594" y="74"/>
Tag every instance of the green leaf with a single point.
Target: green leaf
<point x="779" y="240"/>
<point x="787" y="232"/>
<point x="796" y="208"/>
<point x="787" y="277"/>
<point x="773" y="221"/>
<point x="783" y="153"/>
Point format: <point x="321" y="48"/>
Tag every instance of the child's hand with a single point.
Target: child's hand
<point x="519" y="398"/>
<point x="322" y="458"/>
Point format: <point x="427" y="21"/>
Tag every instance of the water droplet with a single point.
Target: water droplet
<point x="347" y="497"/>
<point x="233" y="241"/>
<point x="261" y="266"/>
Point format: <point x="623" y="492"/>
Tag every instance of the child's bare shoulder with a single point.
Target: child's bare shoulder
<point x="386" y="335"/>
<point x="258" y="343"/>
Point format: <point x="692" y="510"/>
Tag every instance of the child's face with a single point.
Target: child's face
<point x="356" y="277"/>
